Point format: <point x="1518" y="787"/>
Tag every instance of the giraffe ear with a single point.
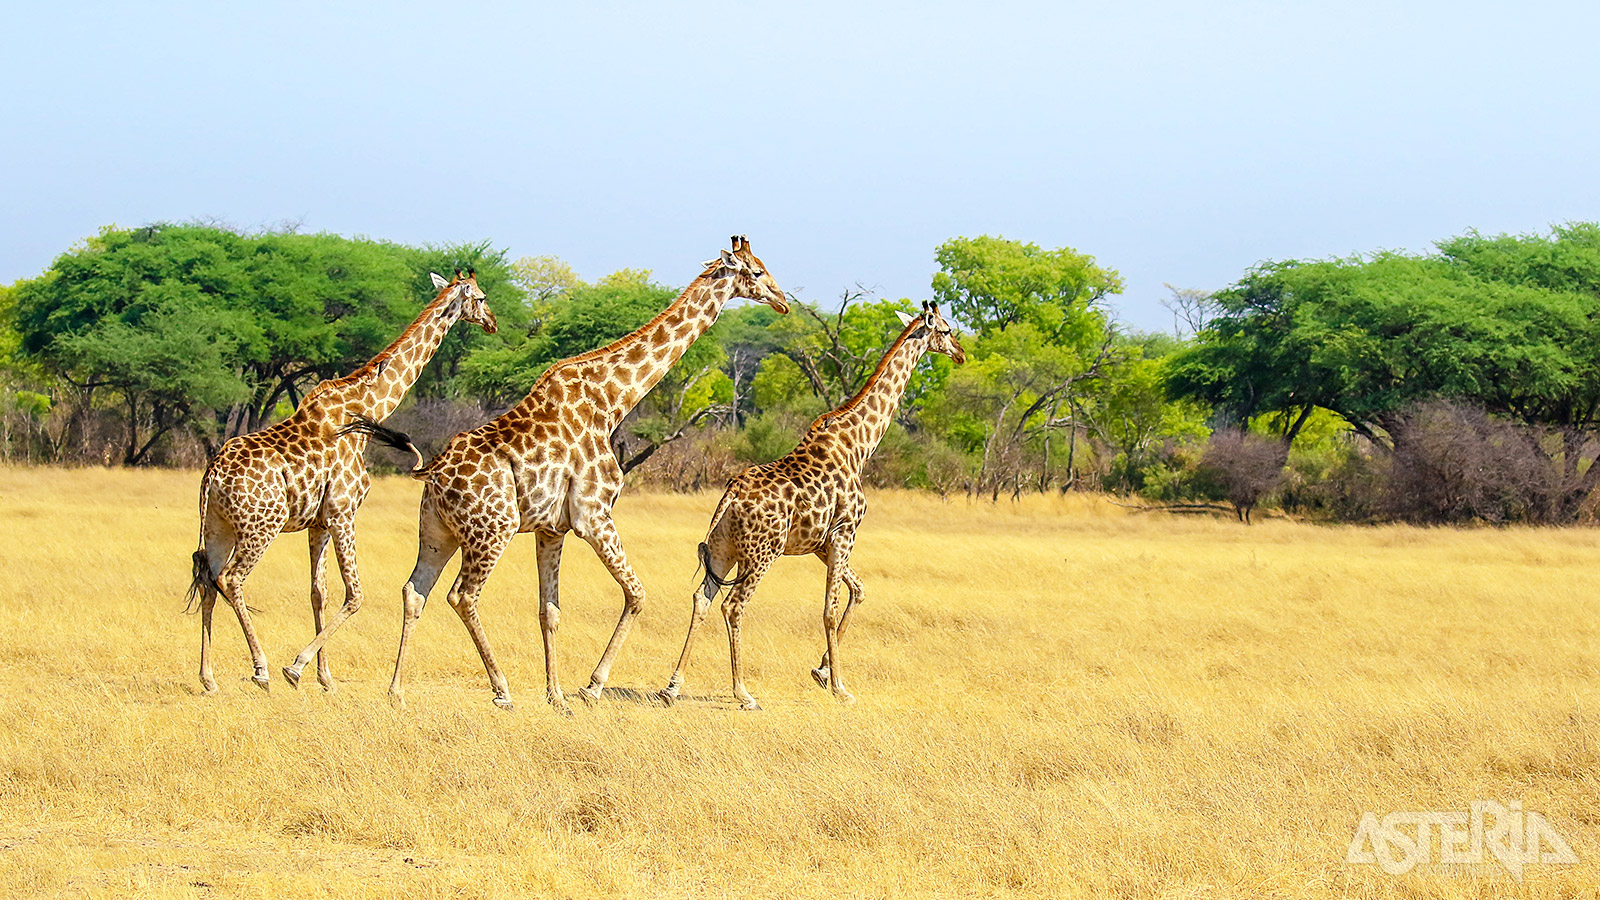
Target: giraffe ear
<point x="731" y="261"/>
<point x="905" y="319"/>
<point x="438" y="282"/>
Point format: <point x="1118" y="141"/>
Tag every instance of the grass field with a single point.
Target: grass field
<point x="1057" y="698"/>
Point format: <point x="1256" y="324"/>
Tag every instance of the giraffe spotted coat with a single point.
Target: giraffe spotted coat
<point x="305" y="473"/>
<point x="808" y="502"/>
<point x="546" y="467"/>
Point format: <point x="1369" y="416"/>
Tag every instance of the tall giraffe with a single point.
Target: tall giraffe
<point x="546" y="466"/>
<point x="307" y="472"/>
<point x="809" y="501"/>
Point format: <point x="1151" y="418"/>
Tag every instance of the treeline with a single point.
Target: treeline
<point x="1456" y="385"/>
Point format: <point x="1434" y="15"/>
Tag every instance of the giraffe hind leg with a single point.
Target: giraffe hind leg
<point x="435" y="547"/>
<point x="208" y="564"/>
<point x="230" y="582"/>
<point x="717" y="569"/>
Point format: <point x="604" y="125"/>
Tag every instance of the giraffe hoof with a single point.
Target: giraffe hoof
<point x="589" y="695"/>
<point x="844" y="696"/>
<point x="504" y="703"/>
<point x="291" y="676"/>
<point x="820" y="676"/>
<point x="328" y="687"/>
<point x="397" y="700"/>
<point x="750" y="705"/>
<point x="260" y="681"/>
<point x="666" y="697"/>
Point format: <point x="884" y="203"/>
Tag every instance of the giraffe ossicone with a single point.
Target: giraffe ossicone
<point x="808" y="502"/>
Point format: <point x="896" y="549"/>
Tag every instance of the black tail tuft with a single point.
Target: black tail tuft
<point x="201" y="583"/>
<point x="712" y="577"/>
<point x="383" y="434"/>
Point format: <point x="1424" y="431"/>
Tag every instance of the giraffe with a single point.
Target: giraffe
<point x="546" y="466"/>
<point x="809" y="501"/>
<point x="307" y="472"/>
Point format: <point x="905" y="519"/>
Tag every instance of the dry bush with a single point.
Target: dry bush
<point x="1245" y="468"/>
<point x="1455" y="463"/>
<point x="697" y="461"/>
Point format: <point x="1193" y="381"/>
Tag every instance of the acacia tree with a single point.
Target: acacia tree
<point x="1041" y="338"/>
<point x="203" y="328"/>
<point x="1511" y="324"/>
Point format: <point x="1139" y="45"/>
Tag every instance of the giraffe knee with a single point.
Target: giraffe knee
<point x="633" y="601"/>
<point x="550" y="617"/>
<point x="352" y="604"/>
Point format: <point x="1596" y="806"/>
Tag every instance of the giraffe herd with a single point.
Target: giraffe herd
<point x="545" y="466"/>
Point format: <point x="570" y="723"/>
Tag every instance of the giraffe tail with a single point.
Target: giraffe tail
<point x="385" y="435"/>
<point x="714" y="583"/>
<point x="201" y="584"/>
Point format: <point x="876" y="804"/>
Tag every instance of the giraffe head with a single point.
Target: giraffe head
<point x="466" y="299"/>
<point x="750" y="276"/>
<point x="936" y="329"/>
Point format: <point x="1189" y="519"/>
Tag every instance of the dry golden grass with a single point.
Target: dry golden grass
<point x="1057" y="698"/>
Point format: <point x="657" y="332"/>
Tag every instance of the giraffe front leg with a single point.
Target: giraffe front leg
<point x="716" y="569"/>
<point x="344" y="549"/>
<point x="317" y="538"/>
<point x="832" y="616"/>
<point x="852" y="583"/>
<point x="603" y="538"/>
<point x="549" y="561"/>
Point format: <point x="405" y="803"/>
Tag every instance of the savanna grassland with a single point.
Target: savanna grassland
<point x="1057" y="698"/>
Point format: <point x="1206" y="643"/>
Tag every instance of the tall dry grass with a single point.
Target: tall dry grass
<point x="1056" y="698"/>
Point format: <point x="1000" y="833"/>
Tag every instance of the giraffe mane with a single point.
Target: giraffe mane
<point x="877" y="373"/>
<point x="388" y="352"/>
<point x="623" y="341"/>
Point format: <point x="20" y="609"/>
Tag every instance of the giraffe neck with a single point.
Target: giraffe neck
<point x="864" y="419"/>
<point x="635" y="363"/>
<point x="382" y="383"/>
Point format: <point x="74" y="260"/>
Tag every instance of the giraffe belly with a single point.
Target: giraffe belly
<point x="542" y="503"/>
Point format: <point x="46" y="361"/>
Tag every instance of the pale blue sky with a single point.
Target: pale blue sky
<point x="1175" y="142"/>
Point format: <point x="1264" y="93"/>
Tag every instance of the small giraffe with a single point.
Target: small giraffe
<point x="307" y="472"/>
<point x="809" y="501"/>
<point x="547" y="466"/>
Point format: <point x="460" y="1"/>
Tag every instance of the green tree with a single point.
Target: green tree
<point x="990" y="284"/>
<point x="1041" y="340"/>
<point x="1511" y="324"/>
<point x="277" y="311"/>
